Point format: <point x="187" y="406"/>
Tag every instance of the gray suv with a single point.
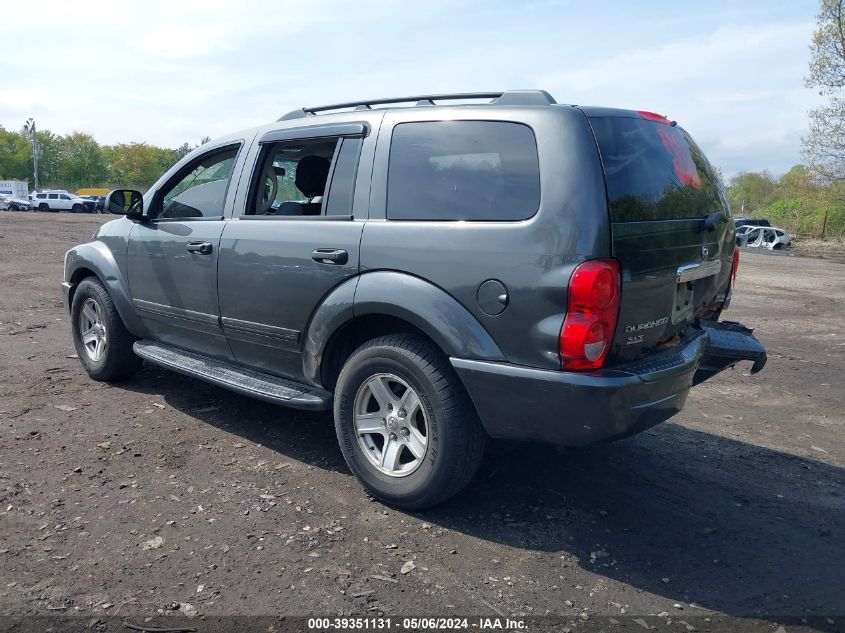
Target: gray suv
<point x="445" y="269"/>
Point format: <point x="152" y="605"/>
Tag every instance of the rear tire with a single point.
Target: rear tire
<point x="102" y="342"/>
<point x="441" y="441"/>
<point x="43" y="207"/>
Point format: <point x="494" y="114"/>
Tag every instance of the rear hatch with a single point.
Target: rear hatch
<point x="671" y="230"/>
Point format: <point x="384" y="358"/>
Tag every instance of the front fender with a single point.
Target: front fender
<point x="433" y="311"/>
<point x="98" y="258"/>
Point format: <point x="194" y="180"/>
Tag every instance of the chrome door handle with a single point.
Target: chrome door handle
<point x="330" y="256"/>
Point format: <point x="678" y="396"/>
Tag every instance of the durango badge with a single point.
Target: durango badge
<point x="647" y="325"/>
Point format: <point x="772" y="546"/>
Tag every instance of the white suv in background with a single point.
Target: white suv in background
<point x="60" y="201"/>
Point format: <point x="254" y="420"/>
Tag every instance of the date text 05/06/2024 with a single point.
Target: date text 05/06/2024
<point x="415" y="624"/>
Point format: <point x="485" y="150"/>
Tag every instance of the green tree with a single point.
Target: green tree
<point x="183" y="150"/>
<point x="824" y="145"/>
<point x="15" y="156"/>
<point x="749" y="192"/>
<point x="50" y="164"/>
<point x="137" y="164"/>
<point x="798" y="201"/>
<point x="82" y="161"/>
<point x="77" y="160"/>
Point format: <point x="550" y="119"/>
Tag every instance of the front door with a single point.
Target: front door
<point x="294" y="240"/>
<point x="172" y="258"/>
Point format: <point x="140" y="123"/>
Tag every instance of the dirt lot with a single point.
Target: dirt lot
<point x="127" y="498"/>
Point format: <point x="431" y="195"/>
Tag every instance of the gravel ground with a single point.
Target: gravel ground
<point x="133" y="498"/>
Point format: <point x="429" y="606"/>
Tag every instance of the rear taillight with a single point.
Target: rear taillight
<point x="734" y="266"/>
<point x="591" y="314"/>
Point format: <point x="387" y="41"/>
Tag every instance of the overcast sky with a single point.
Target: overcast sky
<point x="166" y="72"/>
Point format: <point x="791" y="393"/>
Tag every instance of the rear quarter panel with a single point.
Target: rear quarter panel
<point x="533" y="258"/>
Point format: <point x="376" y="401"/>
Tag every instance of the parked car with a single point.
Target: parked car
<point x="12" y="203"/>
<point x="61" y="200"/>
<point x="98" y="201"/>
<point x="741" y="232"/>
<point x="772" y="238"/>
<point x="738" y="222"/>
<point x="434" y="274"/>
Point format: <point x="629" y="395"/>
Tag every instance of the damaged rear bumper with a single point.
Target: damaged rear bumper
<point x="728" y="343"/>
<point x="576" y="409"/>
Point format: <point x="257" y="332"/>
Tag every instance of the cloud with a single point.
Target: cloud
<point x="167" y="72"/>
<point x="174" y="41"/>
<point x="738" y="89"/>
<point x="20" y="100"/>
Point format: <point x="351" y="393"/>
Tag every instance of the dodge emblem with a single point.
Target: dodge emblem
<point x="704" y="252"/>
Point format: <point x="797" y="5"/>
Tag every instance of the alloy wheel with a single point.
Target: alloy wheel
<point x="391" y="425"/>
<point x="92" y="330"/>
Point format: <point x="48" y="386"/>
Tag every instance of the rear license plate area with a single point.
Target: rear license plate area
<point x="682" y="308"/>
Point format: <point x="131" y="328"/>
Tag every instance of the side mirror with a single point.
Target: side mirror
<point x="126" y="202"/>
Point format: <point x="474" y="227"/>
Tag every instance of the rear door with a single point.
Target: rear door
<point x="295" y="237"/>
<point x="671" y="230"/>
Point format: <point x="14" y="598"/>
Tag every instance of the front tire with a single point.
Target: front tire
<point x="405" y="425"/>
<point x="102" y="342"/>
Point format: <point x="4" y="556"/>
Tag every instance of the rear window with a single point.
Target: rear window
<point x="655" y="171"/>
<point x="463" y="170"/>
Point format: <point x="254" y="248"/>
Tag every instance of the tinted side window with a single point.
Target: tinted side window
<point x="655" y="171"/>
<point x="201" y="192"/>
<point x="463" y="170"/>
<point x="342" y="187"/>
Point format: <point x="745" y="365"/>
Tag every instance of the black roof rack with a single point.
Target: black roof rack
<point x="509" y="97"/>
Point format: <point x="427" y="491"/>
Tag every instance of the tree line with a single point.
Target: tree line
<point x="810" y="200"/>
<point x="76" y="160"/>
<point x="799" y="201"/>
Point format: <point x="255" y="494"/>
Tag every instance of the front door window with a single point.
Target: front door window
<point x="202" y="191"/>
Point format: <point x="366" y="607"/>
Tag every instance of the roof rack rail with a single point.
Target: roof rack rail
<point x="509" y="97"/>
